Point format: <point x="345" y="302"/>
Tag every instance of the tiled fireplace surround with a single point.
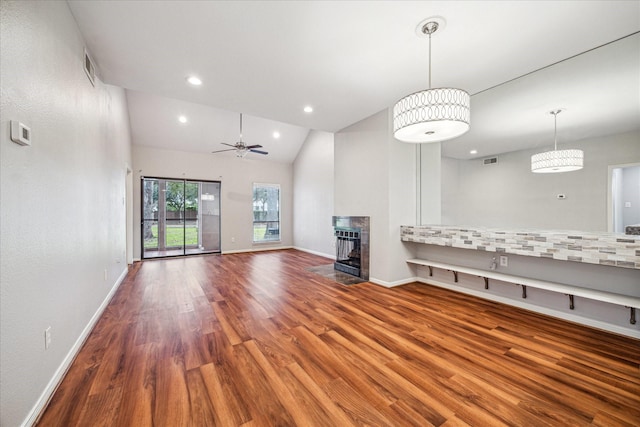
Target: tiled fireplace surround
<point x="594" y="248"/>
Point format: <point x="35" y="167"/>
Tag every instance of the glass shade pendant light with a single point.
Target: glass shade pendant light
<point x="431" y="115"/>
<point x="557" y="160"/>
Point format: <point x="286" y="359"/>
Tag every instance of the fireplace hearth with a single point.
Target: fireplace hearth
<point x="352" y="245"/>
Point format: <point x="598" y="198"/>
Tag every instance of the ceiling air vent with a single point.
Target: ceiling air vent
<point x="89" y="68"/>
<point x="490" y="161"/>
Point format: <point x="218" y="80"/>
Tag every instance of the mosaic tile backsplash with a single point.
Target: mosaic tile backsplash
<point x="618" y="250"/>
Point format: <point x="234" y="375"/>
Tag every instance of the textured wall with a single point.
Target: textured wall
<point x="62" y="199"/>
<point x="313" y="195"/>
<point x="375" y="177"/>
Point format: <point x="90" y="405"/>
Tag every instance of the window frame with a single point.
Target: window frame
<point x="278" y="239"/>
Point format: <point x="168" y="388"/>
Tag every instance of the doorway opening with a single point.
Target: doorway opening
<point x="179" y="217"/>
<point x="624" y="198"/>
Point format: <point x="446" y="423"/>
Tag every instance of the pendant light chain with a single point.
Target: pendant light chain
<point x="429" y="28"/>
<point x="429" y="60"/>
<point x="555" y="130"/>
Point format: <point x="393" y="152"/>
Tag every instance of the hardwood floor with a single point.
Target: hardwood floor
<point x="256" y="340"/>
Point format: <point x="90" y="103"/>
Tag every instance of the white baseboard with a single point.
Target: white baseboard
<point x="536" y="308"/>
<point x="55" y="381"/>
<point x="393" y="284"/>
<point x="270" y="248"/>
<point x="332" y="257"/>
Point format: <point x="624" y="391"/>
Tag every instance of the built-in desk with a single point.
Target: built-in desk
<point x="607" y="249"/>
<point x="617" y="250"/>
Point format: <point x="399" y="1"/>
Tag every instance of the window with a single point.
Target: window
<point x="179" y="217"/>
<point x="266" y="213"/>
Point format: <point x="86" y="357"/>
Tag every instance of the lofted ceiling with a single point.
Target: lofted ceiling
<point x="154" y="123"/>
<point x="346" y="59"/>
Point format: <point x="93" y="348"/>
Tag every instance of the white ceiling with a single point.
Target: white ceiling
<point x="154" y="123"/>
<point x="347" y="59"/>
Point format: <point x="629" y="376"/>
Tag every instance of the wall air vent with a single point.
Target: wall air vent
<point x="490" y="161"/>
<point x="89" y="68"/>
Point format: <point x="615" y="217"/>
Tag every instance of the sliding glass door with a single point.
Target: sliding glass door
<point x="179" y="217"/>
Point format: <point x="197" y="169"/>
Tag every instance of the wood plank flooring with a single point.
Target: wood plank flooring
<point x="256" y="340"/>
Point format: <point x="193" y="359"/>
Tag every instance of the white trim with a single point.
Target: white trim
<point x="241" y="251"/>
<point x="333" y="257"/>
<point x="535" y="308"/>
<point x="393" y="284"/>
<point x="58" y="376"/>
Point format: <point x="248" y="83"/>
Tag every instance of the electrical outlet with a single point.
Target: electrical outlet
<point x="47" y="338"/>
<point x="233" y="240"/>
<point x="504" y="261"/>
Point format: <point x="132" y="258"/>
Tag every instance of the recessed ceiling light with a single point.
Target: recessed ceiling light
<point x="194" y="80"/>
<point x="276" y="134"/>
<point x="182" y="119"/>
<point x="473" y="152"/>
<point x="308" y="109"/>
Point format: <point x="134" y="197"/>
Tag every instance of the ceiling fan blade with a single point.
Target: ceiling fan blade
<point x="230" y="145"/>
<point x="220" y="151"/>
<point x="259" y="151"/>
<point x="251" y="147"/>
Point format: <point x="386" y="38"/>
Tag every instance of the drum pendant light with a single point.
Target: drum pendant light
<point x="557" y="160"/>
<point x="431" y="115"/>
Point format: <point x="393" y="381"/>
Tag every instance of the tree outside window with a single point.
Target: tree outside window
<point x="266" y="212"/>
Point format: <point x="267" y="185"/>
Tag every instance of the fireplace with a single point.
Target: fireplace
<point x="352" y="245"/>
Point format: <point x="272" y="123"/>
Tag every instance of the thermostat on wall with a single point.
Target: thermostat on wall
<point x="20" y="134"/>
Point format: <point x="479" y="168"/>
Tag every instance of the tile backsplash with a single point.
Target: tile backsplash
<point x="618" y="250"/>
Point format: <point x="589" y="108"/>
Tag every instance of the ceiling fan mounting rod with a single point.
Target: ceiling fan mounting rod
<point x="240" y="147"/>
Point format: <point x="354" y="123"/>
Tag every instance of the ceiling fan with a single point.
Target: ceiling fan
<point x="240" y="147"/>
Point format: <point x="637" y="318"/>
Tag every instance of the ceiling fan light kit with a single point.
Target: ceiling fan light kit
<point x="432" y="115"/>
<point x="557" y="161"/>
<point x="240" y="147"/>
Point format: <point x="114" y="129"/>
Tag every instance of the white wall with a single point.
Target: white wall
<point x="375" y="177"/>
<point x="237" y="176"/>
<point x="313" y="195"/>
<point x="508" y="194"/>
<point x="430" y="176"/>
<point x="402" y="203"/>
<point x="62" y="200"/>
